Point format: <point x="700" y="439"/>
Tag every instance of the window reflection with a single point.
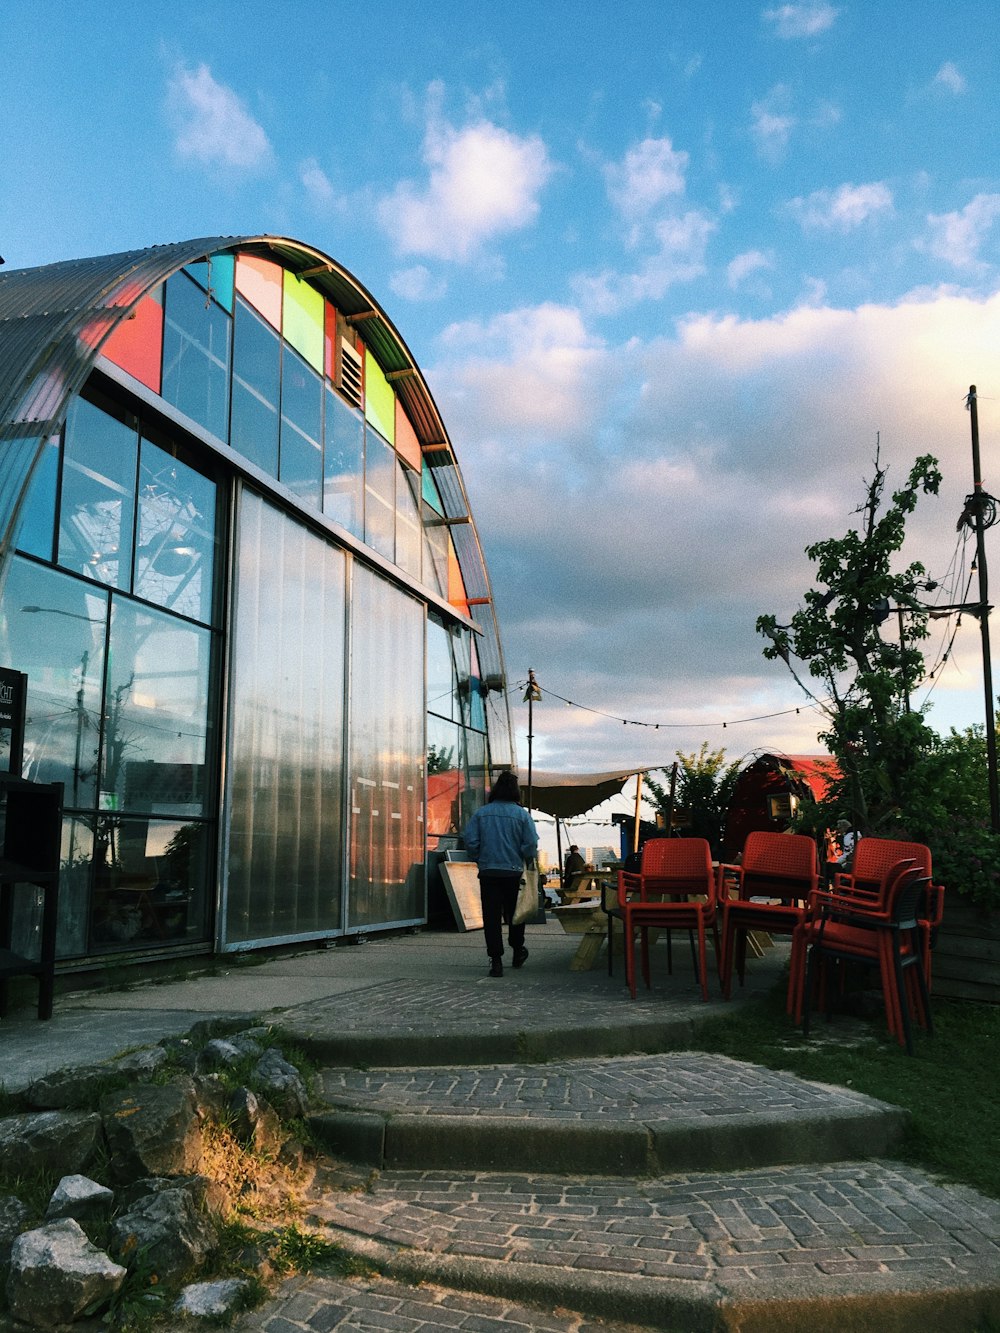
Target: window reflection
<point x="53" y="628"/>
<point x="155" y="724"/>
<point x="409" y="538"/>
<point x="253" y="428"/>
<point x="38" y="515"/>
<point x="98" y="495"/>
<point x="175" y="552"/>
<point x="301" y="428"/>
<point x="150" y="881"/>
<point x="343" y="482"/>
<point x="196" y="355"/>
<point x="380" y="494"/>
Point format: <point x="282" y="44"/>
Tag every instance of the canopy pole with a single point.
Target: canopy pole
<point x="638" y="798"/>
<point x="562" y="883"/>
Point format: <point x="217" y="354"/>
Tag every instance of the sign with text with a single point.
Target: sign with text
<point x="13" y="702"/>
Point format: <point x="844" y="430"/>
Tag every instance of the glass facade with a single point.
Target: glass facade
<point x="260" y="733"/>
<point x="285" y="854"/>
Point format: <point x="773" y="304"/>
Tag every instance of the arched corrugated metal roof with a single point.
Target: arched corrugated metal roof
<point x="55" y="319"/>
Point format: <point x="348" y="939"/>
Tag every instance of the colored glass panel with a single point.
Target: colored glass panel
<point x="330" y="342"/>
<point x="303" y="319"/>
<point x="380" y="401"/>
<point x="260" y="281"/>
<point x="429" y="490"/>
<point x="215" y="276"/>
<point x="136" y="345"/>
<point x="407" y="443"/>
<point x="456" y="584"/>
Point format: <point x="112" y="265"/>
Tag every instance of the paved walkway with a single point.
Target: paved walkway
<point x="503" y="1149"/>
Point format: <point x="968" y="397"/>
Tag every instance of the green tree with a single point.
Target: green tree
<point x="866" y="681"/>
<point x="703" y="790"/>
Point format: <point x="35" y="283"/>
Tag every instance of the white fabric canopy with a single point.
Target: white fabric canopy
<point x="567" y="794"/>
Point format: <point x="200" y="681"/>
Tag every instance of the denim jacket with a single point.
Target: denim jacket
<point x="501" y="836"/>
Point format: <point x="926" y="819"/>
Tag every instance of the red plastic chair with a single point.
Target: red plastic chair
<point x="888" y="935"/>
<point x="674" y="890"/>
<point x="872" y="858"/>
<point x="870" y="898"/>
<point x="774" y="881"/>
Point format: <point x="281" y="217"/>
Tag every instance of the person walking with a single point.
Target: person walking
<point x="500" y="837"/>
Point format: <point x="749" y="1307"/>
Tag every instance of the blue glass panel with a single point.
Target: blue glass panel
<point x="380" y="495"/>
<point x="196" y="355"/>
<point x="344" y="465"/>
<point x="301" y="464"/>
<point x="38" y="516"/>
<point x="253" y="429"/>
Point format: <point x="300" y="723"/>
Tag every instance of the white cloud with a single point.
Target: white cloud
<point x="650" y="173"/>
<point x="482" y="182"/>
<point x="949" y="79"/>
<point x="771" y="124"/>
<point x="744" y="265"/>
<point x="842" y="209"/>
<point x="213" y="126"/>
<point x="795" y="21"/>
<point x="643" y="504"/>
<point x="679" y="256"/>
<point x="316" y="183"/>
<point x="417" y="284"/>
<point x="958" y="237"/>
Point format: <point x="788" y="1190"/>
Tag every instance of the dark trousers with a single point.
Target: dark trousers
<point x="498" y="893"/>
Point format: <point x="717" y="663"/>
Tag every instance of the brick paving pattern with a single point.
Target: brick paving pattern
<point x="635" y="1088"/>
<point x="848" y="1218"/>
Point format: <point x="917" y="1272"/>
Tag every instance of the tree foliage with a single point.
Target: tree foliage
<point x="704" y="788"/>
<point x="866" y="681"/>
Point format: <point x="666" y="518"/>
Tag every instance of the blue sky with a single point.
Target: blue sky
<point x="670" y="270"/>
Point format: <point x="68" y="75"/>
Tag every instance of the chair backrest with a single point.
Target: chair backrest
<point x="674" y="866"/>
<point x="778" y="865"/>
<point x="874" y="856"/>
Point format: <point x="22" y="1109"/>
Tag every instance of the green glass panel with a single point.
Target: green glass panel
<point x="302" y="317"/>
<point x="380" y="401"/>
<point x="429" y="490"/>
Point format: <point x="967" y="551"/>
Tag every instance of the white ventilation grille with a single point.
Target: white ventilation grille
<point x="350" y="374"/>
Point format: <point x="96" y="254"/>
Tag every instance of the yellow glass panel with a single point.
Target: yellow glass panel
<point x="303" y="319"/>
<point x="380" y="401"/>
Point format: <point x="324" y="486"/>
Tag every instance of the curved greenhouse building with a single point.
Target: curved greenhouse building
<point x="242" y="583"/>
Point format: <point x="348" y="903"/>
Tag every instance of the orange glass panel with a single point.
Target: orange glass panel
<point x="407" y="444"/>
<point x="136" y="345"/>
<point x="259" y="280"/>
<point x="457" y="595"/>
<point x="330" y="357"/>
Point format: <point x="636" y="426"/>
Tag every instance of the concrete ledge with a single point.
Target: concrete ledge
<point x="734" y="1143"/>
<point x="357" y="1135"/>
<point x="490" y="1143"/>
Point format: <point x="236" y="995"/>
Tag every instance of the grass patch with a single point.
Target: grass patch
<point x="948" y="1085"/>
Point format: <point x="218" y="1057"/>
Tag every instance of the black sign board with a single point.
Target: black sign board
<point x="13" y="701"/>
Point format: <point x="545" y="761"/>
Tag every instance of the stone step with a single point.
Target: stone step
<point x="460" y="1021"/>
<point x="853" y="1245"/>
<point x="642" y="1115"/>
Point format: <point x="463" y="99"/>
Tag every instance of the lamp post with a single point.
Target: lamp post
<point x="531" y="694"/>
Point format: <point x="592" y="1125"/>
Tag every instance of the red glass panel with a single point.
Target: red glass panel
<point x="136" y="345"/>
<point x="457" y="595"/>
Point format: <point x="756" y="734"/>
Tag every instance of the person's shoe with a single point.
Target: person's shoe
<point x="496" y="967"/>
<point x="520" y="957"/>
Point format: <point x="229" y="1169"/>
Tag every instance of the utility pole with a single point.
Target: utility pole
<point x="975" y="505"/>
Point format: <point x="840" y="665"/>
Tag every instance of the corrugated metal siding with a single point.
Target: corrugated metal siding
<point x="54" y="320"/>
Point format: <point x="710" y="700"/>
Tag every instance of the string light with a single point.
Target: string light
<point x="677" y="726"/>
